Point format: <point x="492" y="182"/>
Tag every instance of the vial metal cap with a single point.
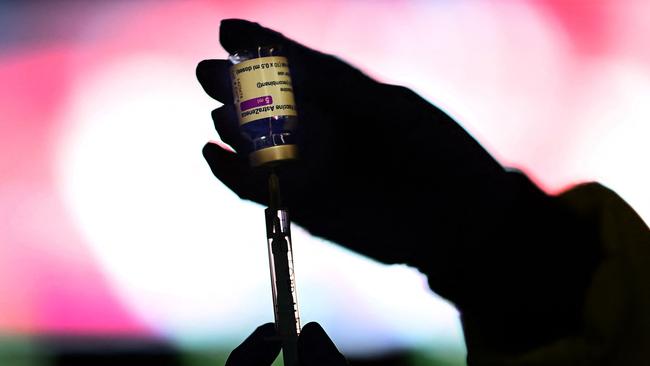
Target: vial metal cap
<point x="273" y="154"/>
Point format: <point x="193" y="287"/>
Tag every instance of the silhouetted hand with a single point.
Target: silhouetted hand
<point x="387" y="174"/>
<point x="378" y="165"/>
<point x="261" y="348"/>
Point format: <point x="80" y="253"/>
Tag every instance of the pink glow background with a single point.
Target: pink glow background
<point x="556" y="88"/>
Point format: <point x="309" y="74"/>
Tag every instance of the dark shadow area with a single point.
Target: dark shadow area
<point x="100" y="351"/>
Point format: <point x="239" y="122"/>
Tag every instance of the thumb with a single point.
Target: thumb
<point x="309" y="66"/>
<point x="315" y="348"/>
<point x="238" y="34"/>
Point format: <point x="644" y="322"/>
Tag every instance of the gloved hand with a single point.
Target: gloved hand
<point x="261" y="348"/>
<point x="387" y="174"/>
<point x="379" y="166"/>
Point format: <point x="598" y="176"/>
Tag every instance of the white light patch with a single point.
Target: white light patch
<point x="184" y="253"/>
<point x="160" y="224"/>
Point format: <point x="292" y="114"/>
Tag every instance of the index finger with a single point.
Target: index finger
<point x="214" y="77"/>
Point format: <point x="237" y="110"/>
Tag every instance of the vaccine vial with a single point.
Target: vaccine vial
<point x="265" y="106"/>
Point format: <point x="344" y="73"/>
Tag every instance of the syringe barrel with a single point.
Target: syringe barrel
<point x="283" y="281"/>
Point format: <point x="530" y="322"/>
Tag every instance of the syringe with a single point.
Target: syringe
<point x="265" y="105"/>
<point x="283" y="281"/>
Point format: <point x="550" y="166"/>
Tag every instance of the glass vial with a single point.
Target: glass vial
<point x="264" y="104"/>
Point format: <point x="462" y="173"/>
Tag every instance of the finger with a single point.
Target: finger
<point x="307" y="65"/>
<point x="261" y="348"/>
<point x="238" y="34"/>
<point x="228" y="167"/>
<point x="214" y="77"/>
<point x="315" y="348"/>
<point x="226" y="124"/>
<point x="233" y="170"/>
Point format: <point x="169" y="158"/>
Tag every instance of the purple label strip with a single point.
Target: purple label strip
<point x="255" y="102"/>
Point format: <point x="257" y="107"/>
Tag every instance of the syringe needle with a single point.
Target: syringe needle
<point x="274" y="191"/>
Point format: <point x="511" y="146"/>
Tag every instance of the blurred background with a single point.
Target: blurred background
<point x="118" y="246"/>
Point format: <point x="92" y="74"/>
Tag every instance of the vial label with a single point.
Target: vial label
<point x="262" y="88"/>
